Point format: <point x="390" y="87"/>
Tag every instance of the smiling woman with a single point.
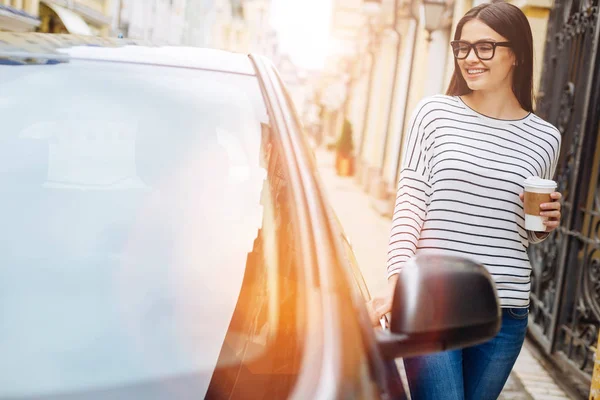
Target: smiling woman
<point x="467" y="156"/>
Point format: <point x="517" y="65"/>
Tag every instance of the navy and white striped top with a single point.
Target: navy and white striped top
<point x="458" y="194"/>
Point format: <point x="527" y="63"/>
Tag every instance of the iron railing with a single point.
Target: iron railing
<point x="565" y="299"/>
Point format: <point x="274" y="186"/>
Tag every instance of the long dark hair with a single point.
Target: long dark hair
<point x="510" y="22"/>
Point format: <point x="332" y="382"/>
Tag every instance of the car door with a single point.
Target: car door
<point x="379" y="373"/>
<point x="391" y="381"/>
<point x="344" y="353"/>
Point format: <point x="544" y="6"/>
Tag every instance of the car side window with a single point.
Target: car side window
<point x="350" y="263"/>
<point x="352" y="266"/>
<point x="367" y="385"/>
<point x="266" y="318"/>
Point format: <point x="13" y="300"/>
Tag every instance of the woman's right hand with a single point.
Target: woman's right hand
<point x="378" y="306"/>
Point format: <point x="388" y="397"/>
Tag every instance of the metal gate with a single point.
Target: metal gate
<point x="565" y="299"/>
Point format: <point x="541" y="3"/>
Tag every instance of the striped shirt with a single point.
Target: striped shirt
<point x="458" y="194"/>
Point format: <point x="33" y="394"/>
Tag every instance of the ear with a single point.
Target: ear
<point x="514" y="57"/>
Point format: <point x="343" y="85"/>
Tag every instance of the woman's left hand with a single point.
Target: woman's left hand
<point x="551" y="210"/>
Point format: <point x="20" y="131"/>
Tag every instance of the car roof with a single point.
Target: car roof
<point x="63" y="47"/>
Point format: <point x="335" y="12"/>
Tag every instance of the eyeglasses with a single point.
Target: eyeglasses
<point x="483" y="50"/>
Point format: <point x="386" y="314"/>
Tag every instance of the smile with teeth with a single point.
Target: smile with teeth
<point x="475" y="71"/>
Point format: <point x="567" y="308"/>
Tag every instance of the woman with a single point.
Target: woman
<point x="460" y="192"/>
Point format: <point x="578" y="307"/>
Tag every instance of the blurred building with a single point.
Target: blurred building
<point x="83" y="17"/>
<point x="234" y="25"/>
<point x="349" y="72"/>
<point x="157" y="21"/>
<point x="19" y="16"/>
<point x="243" y="26"/>
<point x="200" y="21"/>
<point x="298" y="82"/>
<point x="229" y="31"/>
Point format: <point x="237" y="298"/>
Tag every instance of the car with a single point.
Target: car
<point x="165" y="235"/>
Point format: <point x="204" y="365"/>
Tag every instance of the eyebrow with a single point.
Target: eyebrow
<point x="486" y="39"/>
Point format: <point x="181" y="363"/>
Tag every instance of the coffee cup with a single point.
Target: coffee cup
<point x="537" y="191"/>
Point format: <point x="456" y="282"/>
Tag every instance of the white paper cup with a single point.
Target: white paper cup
<point x="537" y="191"/>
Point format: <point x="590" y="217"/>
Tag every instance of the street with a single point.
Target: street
<point x="368" y="233"/>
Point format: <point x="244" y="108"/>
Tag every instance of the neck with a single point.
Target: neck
<point x="500" y="103"/>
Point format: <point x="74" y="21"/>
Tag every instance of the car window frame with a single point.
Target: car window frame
<point x="382" y="375"/>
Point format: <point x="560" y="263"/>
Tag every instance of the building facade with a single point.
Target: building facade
<point x="244" y="26"/>
<point x="83" y="17"/>
<point x="233" y="25"/>
<point x="200" y="18"/>
<point x="158" y="21"/>
<point x="346" y="71"/>
<point x="19" y="16"/>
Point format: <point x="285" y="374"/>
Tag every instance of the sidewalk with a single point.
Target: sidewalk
<point x="368" y="233"/>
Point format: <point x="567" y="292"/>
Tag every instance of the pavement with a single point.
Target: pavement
<point x="368" y="233"/>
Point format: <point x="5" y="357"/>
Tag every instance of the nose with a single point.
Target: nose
<point x="472" y="57"/>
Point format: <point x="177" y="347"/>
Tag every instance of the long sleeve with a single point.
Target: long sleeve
<point x="414" y="190"/>
<point x="549" y="174"/>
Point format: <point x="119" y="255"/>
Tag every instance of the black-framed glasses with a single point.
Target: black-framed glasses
<point x="484" y="50"/>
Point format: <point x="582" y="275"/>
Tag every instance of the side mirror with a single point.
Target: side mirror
<point x="440" y="303"/>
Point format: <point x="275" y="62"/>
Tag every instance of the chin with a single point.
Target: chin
<point x="476" y="85"/>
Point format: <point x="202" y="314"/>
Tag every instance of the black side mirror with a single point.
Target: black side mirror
<point x="441" y="303"/>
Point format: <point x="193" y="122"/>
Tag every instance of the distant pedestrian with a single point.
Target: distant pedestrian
<point x="460" y="192"/>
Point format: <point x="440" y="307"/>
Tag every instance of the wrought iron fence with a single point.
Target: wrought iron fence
<point x="565" y="299"/>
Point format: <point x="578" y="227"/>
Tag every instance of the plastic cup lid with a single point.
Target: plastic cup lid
<point x="537" y="182"/>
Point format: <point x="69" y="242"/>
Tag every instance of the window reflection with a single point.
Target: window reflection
<point x="260" y="356"/>
<point x="146" y="239"/>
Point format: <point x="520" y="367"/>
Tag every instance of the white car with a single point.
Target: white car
<point x="164" y="235"/>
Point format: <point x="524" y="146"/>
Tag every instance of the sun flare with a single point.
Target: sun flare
<point x="303" y="28"/>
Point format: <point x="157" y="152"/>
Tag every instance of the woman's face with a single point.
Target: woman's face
<point x="491" y="74"/>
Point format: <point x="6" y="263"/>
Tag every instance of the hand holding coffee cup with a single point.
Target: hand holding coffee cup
<point x="542" y="205"/>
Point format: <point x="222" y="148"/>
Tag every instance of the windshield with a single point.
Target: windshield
<point x="130" y="197"/>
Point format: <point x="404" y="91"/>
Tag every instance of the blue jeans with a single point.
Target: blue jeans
<point x="472" y="373"/>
